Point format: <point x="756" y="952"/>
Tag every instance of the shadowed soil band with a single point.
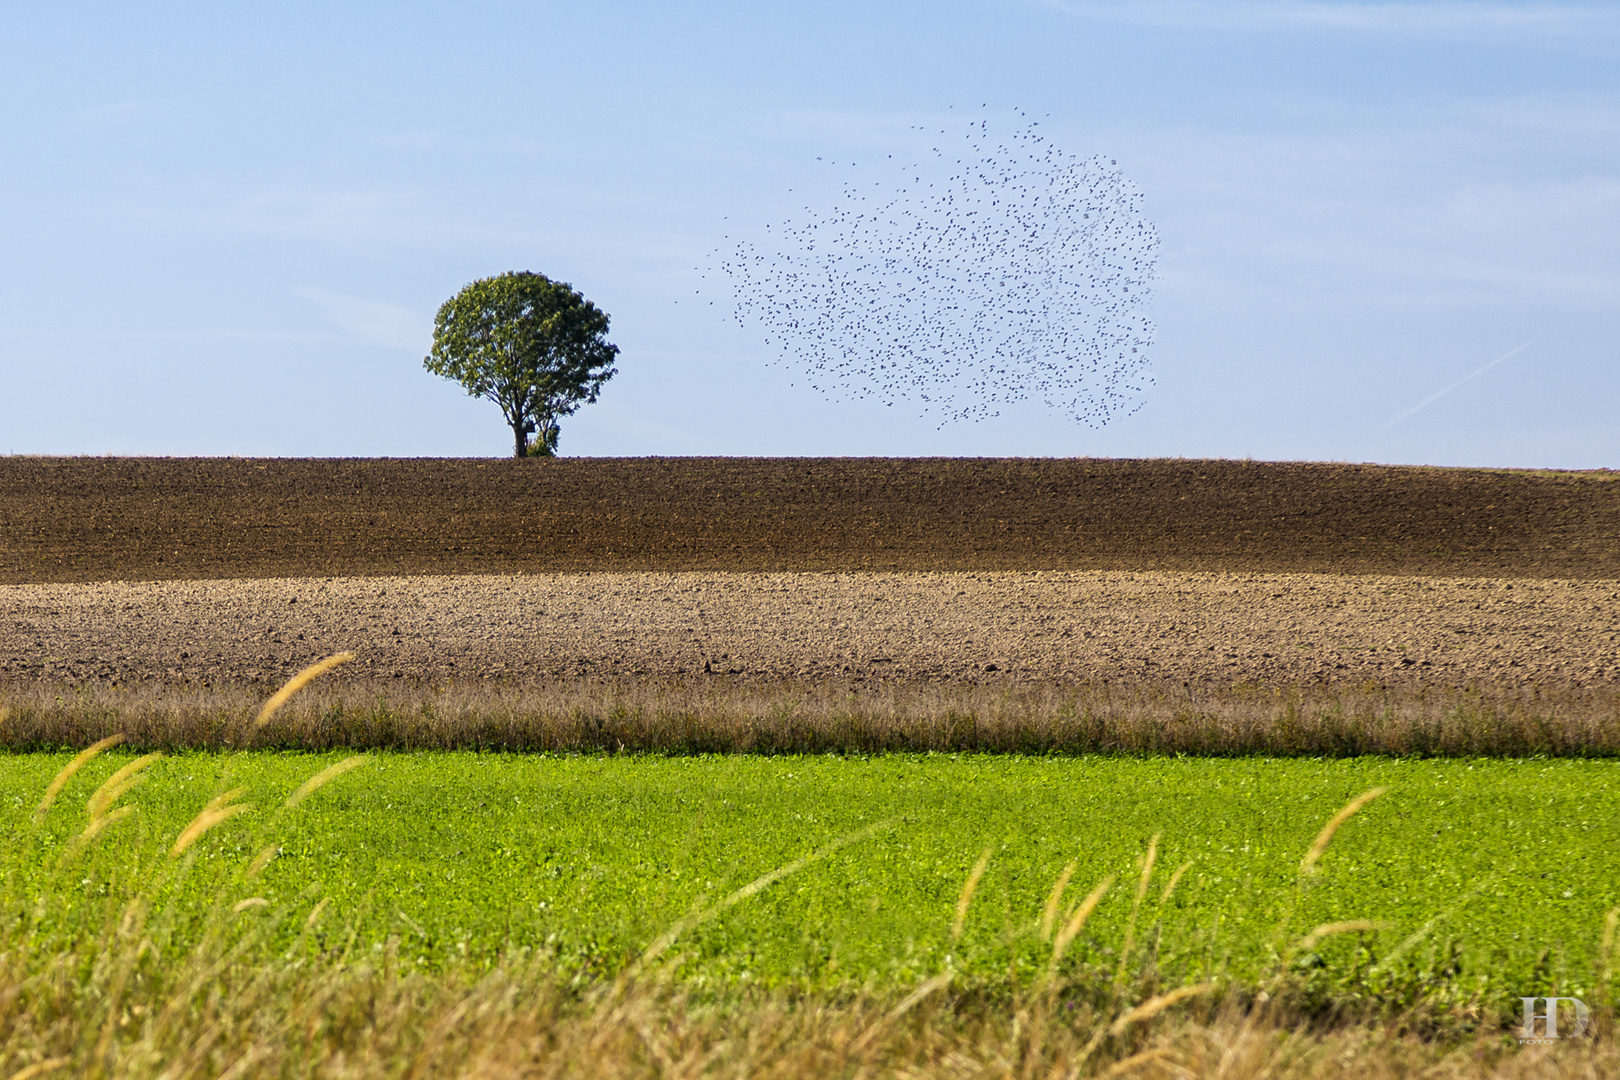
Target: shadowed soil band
<point x="133" y="519"/>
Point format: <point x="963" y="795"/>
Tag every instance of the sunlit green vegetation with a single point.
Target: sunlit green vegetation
<point x="1509" y="865"/>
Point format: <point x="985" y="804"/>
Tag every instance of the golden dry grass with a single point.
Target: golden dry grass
<point x="206" y="1017"/>
<point x="695" y="715"/>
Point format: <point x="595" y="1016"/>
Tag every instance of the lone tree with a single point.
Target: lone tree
<point x="533" y="346"/>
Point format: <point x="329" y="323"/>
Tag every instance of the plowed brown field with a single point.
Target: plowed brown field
<point x="1049" y="626"/>
<point x="131" y="519"/>
<point x="115" y="572"/>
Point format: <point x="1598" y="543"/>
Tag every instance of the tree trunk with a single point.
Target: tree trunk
<point x="521" y="435"/>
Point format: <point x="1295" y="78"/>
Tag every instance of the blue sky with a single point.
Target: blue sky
<point x="226" y="228"/>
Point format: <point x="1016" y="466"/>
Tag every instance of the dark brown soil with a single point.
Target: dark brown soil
<point x="102" y="519"/>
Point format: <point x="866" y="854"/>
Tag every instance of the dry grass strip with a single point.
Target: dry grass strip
<point x="697" y="715"/>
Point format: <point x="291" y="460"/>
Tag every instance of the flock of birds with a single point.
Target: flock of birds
<point x="998" y="270"/>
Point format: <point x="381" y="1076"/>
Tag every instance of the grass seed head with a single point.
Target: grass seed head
<point x="1307" y="866"/>
<point x="115" y="786"/>
<point x="99" y="824"/>
<point x="1327" y="930"/>
<point x="41" y="1068"/>
<point x="324" y="777"/>
<point x="1175" y="879"/>
<point x="758" y="885"/>
<point x="937" y="983"/>
<point x="1054" y="900"/>
<point x="220" y="800"/>
<point x="967" y="894"/>
<point x="297" y="683"/>
<point x="260" y="861"/>
<point x="1077" y="922"/>
<point x="1150" y="857"/>
<point x="1154" y="1006"/>
<point x="69" y="769"/>
<point x="1136" y="1061"/>
<point x="1148" y="860"/>
<point x="212" y="814"/>
<point x="1605" y="951"/>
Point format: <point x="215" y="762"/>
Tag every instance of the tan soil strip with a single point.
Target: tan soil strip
<point x="1080" y="626"/>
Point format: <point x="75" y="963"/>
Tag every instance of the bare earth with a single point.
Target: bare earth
<point x="1217" y="629"/>
<point x="166" y="519"/>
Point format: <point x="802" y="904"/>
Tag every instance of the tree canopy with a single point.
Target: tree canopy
<point x="533" y="346"/>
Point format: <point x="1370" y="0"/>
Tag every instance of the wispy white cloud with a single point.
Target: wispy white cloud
<point x="389" y="325"/>
<point x="1447" y="205"/>
<point x="1447" y="18"/>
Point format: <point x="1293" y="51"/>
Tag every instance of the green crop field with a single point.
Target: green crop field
<point x="1507" y="868"/>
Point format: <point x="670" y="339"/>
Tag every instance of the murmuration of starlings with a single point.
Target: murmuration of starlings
<point x="994" y="269"/>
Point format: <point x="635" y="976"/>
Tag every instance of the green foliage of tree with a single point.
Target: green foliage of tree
<point x="533" y="346"/>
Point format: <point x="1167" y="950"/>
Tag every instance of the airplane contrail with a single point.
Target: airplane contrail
<point x="1432" y="398"/>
